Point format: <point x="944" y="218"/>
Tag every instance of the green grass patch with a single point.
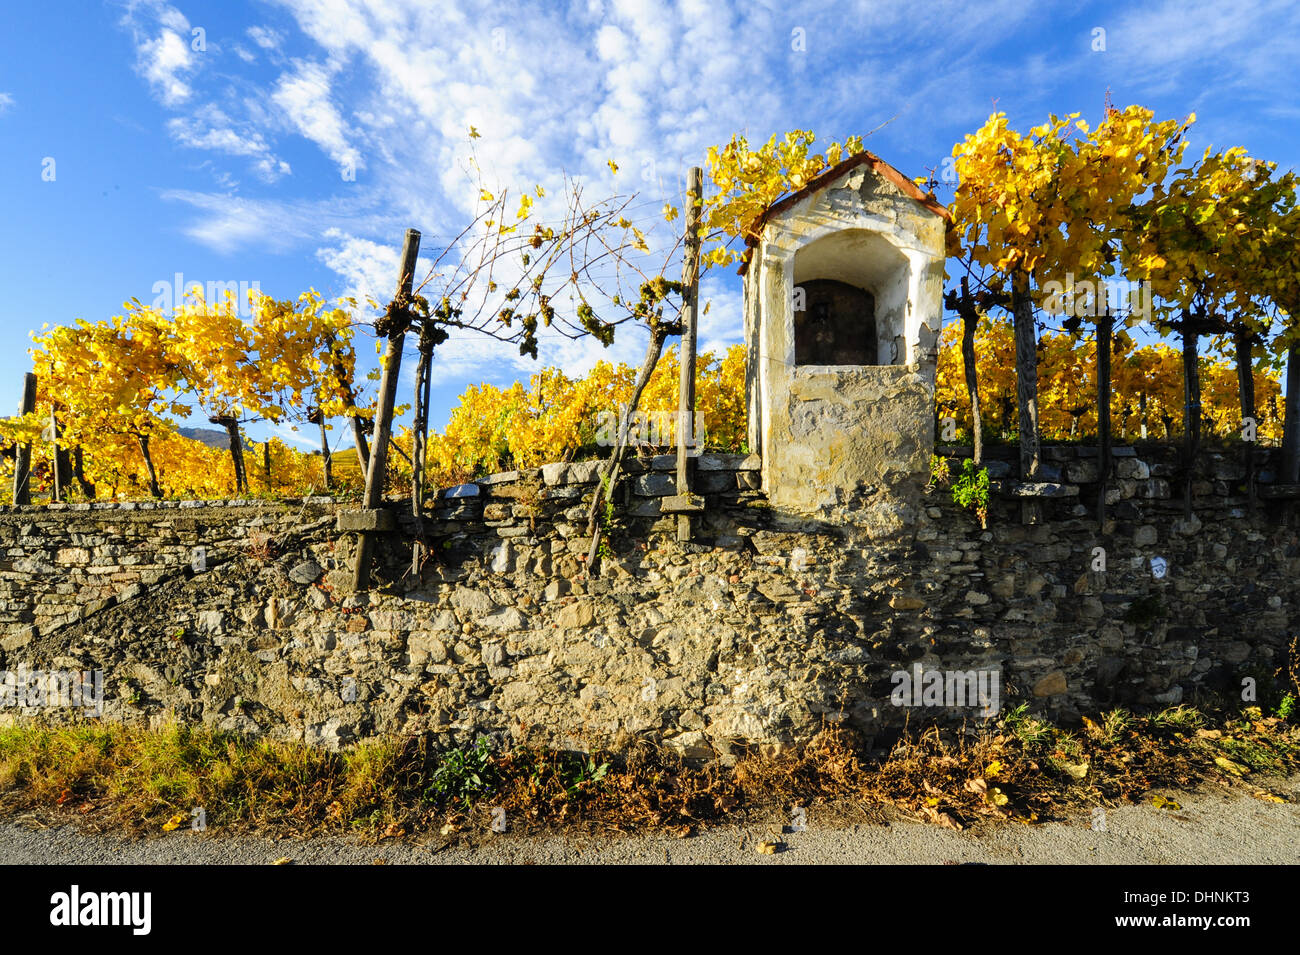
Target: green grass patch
<point x="1019" y="767"/>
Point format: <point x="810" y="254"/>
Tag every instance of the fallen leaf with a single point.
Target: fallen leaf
<point x="769" y="847"/>
<point x="978" y="785"/>
<point x="1268" y="797"/>
<point x="283" y="860"/>
<point x="943" y="819"/>
<point x="1229" y="766"/>
<point x="1077" y="770"/>
<point x="1160" y="802"/>
<point x="993" y="768"/>
<point x="174" y="822"/>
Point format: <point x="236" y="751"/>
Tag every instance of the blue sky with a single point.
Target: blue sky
<point x="290" y="143"/>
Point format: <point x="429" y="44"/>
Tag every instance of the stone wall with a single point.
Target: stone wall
<point x="61" y="562"/>
<point x="758" y="631"/>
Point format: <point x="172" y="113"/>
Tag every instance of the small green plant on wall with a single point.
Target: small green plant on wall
<point x="606" y="519"/>
<point x="971" y="490"/>
<point x="939" y="472"/>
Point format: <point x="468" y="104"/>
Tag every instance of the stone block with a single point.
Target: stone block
<point x="655" y="485"/>
<point x="369" y="520"/>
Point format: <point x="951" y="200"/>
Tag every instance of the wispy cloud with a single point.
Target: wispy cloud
<point x="286" y="433"/>
<point x="265" y="37"/>
<point x="304" y="96"/>
<point x="388" y="89"/>
<point x="211" y="129"/>
<point x="227" y="222"/>
<point x="6" y="102"/>
<point x="163" y="49"/>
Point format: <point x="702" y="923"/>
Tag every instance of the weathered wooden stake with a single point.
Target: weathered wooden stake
<point x="419" y="447"/>
<point x="686" y="436"/>
<point x="58" y="472"/>
<point x="236" y="442"/>
<point x="266" y="461"/>
<point x="143" y="441"/>
<point x="79" y="472"/>
<point x="327" y="465"/>
<point x="1022" y="312"/>
<point x="23" y="453"/>
<point x="1022" y="308"/>
<point x="384" y="411"/>
<point x="1105" y="328"/>
<point x="1245" y="355"/>
<point x="659" y="331"/>
<point x="969" y="324"/>
<point x="1191" y="407"/>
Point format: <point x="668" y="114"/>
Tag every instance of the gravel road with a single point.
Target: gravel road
<point x="1213" y="827"/>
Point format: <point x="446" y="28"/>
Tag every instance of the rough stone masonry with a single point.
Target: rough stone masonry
<point x="814" y="574"/>
<point x="755" y="634"/>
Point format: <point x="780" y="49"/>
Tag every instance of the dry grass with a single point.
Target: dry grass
<point x="1020" y="769"/>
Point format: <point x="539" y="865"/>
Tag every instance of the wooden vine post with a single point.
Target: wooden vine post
<point x="327" y="465"/>
<point x="687" y="439"/>
<point x="1026" y="336"/>
<point x="420" y="440"/>
<point x="1105" y="337"/>
<point x="659" y="331"/>
<point x="1191" y="326"/>
<point x="60" y="467"/>
<point x="1244" y="342"/>
<point x="970" y="320"/>
<point x="683" y="503"/>
<point x="396" y="324"/>
<point x="965" y="305"/>
<point x="23" y="453"/>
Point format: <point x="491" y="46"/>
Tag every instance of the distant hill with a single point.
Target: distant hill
<point x="209" y="436"/>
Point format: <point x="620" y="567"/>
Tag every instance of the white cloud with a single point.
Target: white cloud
<point x="368" y="268"/>
<point x="6" y="102"/>
<point x="210" y="128"/>
<point x="1239" y="46"/>
<point x="226" y="223"/>
<point x="651" y="84"/>
<point x="305" y="99"/>
<point x="265" y="37"/>
<point x="162" y="48"/>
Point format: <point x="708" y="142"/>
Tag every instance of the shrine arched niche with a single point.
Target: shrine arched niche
<point x="850" y="294"/>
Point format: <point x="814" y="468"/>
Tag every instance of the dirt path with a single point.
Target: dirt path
<point x="1213" y="827"/>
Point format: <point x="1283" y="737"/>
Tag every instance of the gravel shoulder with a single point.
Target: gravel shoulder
<point x="1211" y="827"/>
